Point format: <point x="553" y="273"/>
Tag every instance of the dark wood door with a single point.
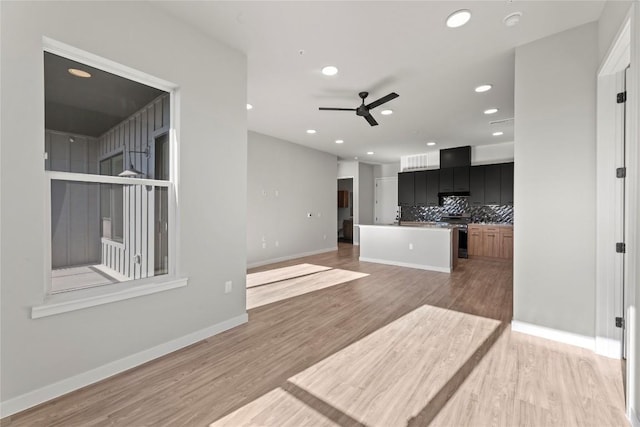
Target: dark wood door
<point x="476" y="186"/>
<point x="433" y="186"/>
<point x="506" y="184"/>
<point x="406" y="189"/>
<point x="492" y="184"/>
<point x="420" y="188"/>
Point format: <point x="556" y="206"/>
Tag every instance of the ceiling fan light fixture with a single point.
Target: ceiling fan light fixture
<point x="330" y="70"/>
<point x="483" y="88"/>
<point x="491" y="111"/>
<point x="458" y="18"/>
<point x="386" y="112"/>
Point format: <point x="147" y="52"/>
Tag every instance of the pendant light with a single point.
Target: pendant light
<point x="132" y="171"/>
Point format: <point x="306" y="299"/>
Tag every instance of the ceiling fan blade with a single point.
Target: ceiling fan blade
<point x="336" y="109"/>
<point x="382" y="100"/>
<point x="371" y="120"/>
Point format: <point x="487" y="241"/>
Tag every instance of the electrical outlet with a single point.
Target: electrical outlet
<point x="410" y="246"/>
<point x="228" y="286"/>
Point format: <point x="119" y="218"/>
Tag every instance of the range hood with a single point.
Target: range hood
<point x="455" y="157"/>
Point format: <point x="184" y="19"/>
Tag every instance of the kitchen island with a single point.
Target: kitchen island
<point x="427" y="247"/>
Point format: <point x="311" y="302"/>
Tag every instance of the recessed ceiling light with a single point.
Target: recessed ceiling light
<point x="512" y="19"/>
<point x="79" y="73"/>
<point x="311" y="131"/>
<point x="498" y="133"/>
<point x="370" y="153"/>
<point x="491" y="111"/>
<point x="483" y="88"/>
<point x="329" y="70"/>
<point x="249" y="106"/>
<point x="458" y="18"/>
<point x="431" y="143"/>
<point x="386" y="112"/>
<point x="339" y="141"/>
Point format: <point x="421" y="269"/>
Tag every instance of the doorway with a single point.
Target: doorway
<point x="386" y="203"/>
<point x="345" y="210"/>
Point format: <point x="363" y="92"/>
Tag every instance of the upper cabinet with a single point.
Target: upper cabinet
<point x="433" y="185"/>
<point x="506" y="184"/>
<point x="492" y="179"/>
<point x="420" y="188"/>
<point x="406" y="189"/>
<point x="485" y="185"/>
<point x="476" y="186"/>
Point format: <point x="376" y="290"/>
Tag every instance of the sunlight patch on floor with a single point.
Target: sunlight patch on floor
<point x="267" y="294"/>
<point x="276" y="408"/>
<point x="284" y="273"/>
<point x="385" y="379"/>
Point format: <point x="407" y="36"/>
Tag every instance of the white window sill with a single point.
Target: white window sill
<point x="78" y="300"/>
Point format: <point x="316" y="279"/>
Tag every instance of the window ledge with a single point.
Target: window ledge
<point x="78" y="300"/>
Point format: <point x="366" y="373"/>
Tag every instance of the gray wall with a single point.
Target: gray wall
<point x="555" y="103"/>
<point x="212" y="248"/>
<point x="386" y="170"/>
<point x="366" y="186"/>
<point x="285" y="182"/>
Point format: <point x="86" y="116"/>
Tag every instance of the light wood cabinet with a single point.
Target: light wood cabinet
<point x="489" y="241"/>
<point x="506" y="243"/>
<point x="474" y="241"/>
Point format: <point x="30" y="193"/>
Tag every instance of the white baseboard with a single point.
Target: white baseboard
<point x="406" y="264"/>
<point x="577" y="340"/>
<point x="289" y="257"/>
<point x="608" y="347"/>
<point x="35" y="397"/>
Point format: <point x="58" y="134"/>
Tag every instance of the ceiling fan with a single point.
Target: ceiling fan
<point x="363" y="110"/>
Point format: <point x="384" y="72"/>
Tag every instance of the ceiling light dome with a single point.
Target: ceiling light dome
<point x="498" y="133"/>
<point x="249" y="107"/>
<point x="79" y="73"/>
<point x="386" y="112"/>
<point x="431" y="143"/>
<point x="339" y="141"/>
<point x="330" y="70"/>
<point x="491" y="111"/>
<point x="483" y="88"/>
<point x="458" y="18"/>
<point x="311" y="131"/>
<point x="512" y="19"/>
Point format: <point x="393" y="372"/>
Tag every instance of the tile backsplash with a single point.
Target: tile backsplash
<point x="457" y="205"/>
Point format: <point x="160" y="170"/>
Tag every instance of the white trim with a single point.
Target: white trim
<point x="570" y="338"/>
<point x="406" y="264"/>
<point x="104" y="179"/>
<point x="608" y="347"/>
<point x="633" y="417"/>
<point x="290" y="257"/>
<point x="79" y="55"/>
<point x="78" y="300"/>
<point x="619" y="54"/>
<point x="51" y="391"/>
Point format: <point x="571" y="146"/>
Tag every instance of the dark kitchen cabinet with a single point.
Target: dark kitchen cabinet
<point x="446" y="180"/>
<point x="506" y="184"/>
<point x="476" y="186"/>
<point x="420" y="188"/>
<point x="492" y="181"/>
<point x="433" y="185"/>
<point x="406" y="189"/>
<point x="461" y="179"/>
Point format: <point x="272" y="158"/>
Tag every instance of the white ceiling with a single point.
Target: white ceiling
<point x="380" y="47"/>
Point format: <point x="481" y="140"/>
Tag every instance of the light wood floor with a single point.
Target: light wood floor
<point x="397" y="347"/>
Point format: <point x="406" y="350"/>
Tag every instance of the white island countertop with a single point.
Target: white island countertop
<point x="425" y="246"/>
